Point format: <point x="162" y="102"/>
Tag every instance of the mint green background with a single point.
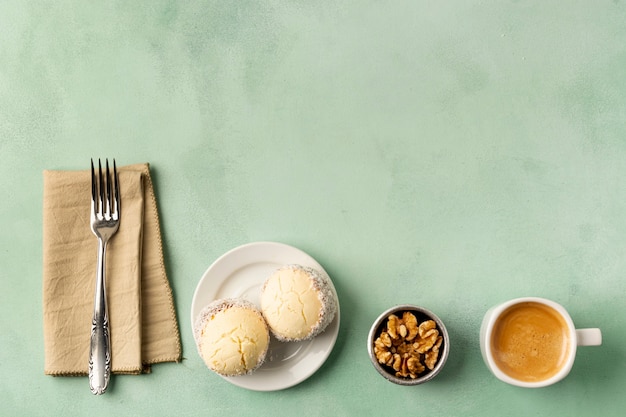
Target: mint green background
<point x="448" y="154"/>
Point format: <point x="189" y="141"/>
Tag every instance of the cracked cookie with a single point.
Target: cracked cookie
<point x="232" y="337"/>
<point x="297" y="303"/>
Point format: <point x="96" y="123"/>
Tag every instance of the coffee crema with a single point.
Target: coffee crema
<point x="530" y="342"/>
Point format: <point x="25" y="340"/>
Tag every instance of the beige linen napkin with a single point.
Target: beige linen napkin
<point x="144" y="328"/>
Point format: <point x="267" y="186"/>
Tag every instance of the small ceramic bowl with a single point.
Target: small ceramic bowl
<point x="421" y="314"/>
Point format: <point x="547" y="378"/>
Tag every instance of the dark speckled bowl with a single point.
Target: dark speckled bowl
<point x="422" y="314"/>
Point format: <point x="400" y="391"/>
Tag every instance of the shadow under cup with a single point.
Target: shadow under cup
<point x="531" y="342"/>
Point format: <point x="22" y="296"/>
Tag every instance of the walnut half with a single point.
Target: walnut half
<point x="407" y="346"/>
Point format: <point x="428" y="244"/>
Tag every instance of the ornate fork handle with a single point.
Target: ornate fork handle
<point x="100" y="346"/>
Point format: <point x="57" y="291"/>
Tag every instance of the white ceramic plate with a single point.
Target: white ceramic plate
<point x="240" y="273"/>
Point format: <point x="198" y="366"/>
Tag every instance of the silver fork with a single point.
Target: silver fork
<point x="105" y="220"/>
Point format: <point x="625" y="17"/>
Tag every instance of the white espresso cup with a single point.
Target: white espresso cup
<point x="531" y="342"/>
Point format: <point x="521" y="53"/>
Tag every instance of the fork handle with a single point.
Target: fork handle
<point x="100" y="346"/>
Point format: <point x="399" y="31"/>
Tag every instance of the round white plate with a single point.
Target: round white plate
<point x="240" y="273"/>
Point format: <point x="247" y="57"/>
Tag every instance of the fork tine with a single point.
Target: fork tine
<point x="108" y="196"/>
<point x="116" y="191"/>
<point x="100" y="210"/>
<point x="94" y="190"/>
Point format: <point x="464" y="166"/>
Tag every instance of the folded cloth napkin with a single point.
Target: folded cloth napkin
<point x="142" y="318"/>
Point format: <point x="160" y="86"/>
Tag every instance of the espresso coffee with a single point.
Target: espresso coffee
<point x="530" y="342"/>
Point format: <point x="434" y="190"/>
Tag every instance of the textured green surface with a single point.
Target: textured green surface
<point x="448" y="154"/>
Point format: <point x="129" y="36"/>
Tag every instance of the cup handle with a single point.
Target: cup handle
<point x="588" y="337"/>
